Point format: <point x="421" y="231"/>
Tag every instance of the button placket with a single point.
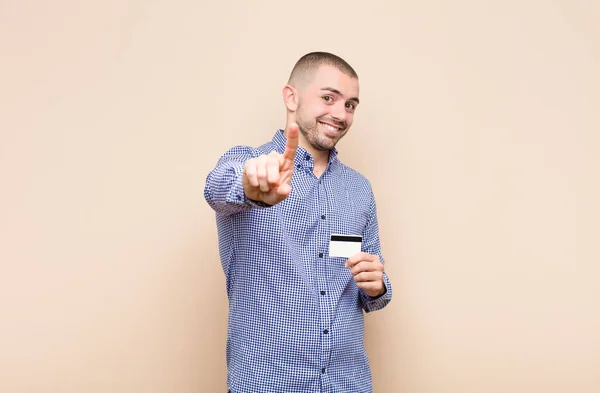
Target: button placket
<point x="322" y="269"/>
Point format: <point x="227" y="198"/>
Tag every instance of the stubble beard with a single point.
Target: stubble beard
<point x="309" y="129"/>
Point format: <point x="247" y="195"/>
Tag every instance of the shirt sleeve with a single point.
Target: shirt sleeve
<point x="371" y="245"/>
<point x="223" y="190"/>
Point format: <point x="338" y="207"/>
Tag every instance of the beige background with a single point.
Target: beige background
<point x="479" y="128"/>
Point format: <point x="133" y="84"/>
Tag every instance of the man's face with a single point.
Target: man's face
<point x="326" y="107"/>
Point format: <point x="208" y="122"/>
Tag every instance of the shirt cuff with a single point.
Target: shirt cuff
<point x="377" y="303"/>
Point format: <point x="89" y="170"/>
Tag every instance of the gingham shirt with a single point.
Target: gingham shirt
<point x="295" y="314"/>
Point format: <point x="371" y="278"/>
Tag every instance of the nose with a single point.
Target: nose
<point x="338" y="112"/>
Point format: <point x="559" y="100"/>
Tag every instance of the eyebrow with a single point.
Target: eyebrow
<point x="331" y="89"/>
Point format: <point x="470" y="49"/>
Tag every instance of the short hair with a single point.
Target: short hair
<point x="310" y="62"/>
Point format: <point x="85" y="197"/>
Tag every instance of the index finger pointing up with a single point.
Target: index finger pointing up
<point x="292" y="143"/>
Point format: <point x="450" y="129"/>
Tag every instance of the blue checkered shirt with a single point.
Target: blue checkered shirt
<point x="296" y="322"/>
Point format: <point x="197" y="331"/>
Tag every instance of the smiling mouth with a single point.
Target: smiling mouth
<point x="330" y="127"/>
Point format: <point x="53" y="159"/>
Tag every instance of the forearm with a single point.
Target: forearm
<point x="371" y="244"/>
<point x="224" y="191"/>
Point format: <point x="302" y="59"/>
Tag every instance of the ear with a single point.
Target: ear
<point x="290" y="98"/>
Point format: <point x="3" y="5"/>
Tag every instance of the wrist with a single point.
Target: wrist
<point x="379" y="294"/>
<point x="260" y="203"/>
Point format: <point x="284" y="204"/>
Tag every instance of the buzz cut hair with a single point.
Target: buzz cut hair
<point x="308" y="64"/>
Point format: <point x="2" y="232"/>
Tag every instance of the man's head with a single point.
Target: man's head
<point x="321" y="97"/>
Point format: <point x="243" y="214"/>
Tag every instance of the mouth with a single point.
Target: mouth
<point x="330" y="127"/>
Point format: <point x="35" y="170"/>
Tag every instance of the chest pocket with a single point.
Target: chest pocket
<point x="348" y="209"/>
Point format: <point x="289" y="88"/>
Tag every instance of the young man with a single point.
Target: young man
<point x="296" y="308"/>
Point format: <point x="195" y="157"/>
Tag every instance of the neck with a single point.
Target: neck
<point x="321" y="157"/>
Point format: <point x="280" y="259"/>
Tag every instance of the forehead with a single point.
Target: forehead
<point x="331" y="77"/>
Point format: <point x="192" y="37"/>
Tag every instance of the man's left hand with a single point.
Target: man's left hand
<point x="367" y="270"/>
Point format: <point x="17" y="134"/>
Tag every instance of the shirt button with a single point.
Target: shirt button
<point x="323" y="370"/>
<point x="298" y="166"/>
<point x="323" y="217"/>
<point x="325" y="331"/>
<point x="307" y="158"/>
<point x="239" y="197"/>
<point x="322" y="292"/>
<point x="320" y="255"/>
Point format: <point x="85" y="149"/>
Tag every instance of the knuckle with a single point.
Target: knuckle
<point x="261" y="167"/>
<point x="250" y="170"/>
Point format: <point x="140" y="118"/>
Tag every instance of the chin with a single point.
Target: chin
<point x="328" y="145"/>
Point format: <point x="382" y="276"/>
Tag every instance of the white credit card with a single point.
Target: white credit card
<point x="344" y="245"/>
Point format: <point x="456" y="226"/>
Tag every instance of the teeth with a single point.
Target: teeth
<point x="332" y="128"/>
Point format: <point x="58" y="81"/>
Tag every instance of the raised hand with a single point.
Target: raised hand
<point x="267" y="178"/>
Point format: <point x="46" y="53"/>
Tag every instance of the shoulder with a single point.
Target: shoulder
<point x="249" y="151"/>
<point x="354" y="177"/>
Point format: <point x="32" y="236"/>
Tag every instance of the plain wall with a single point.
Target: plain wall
<point x="479" y="129"/>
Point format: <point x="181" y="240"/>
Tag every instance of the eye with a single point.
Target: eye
<point x="327" y="98"/>
<point x="351" y="106"/>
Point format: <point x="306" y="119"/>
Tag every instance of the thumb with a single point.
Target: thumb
<point x="284" y="190"/>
